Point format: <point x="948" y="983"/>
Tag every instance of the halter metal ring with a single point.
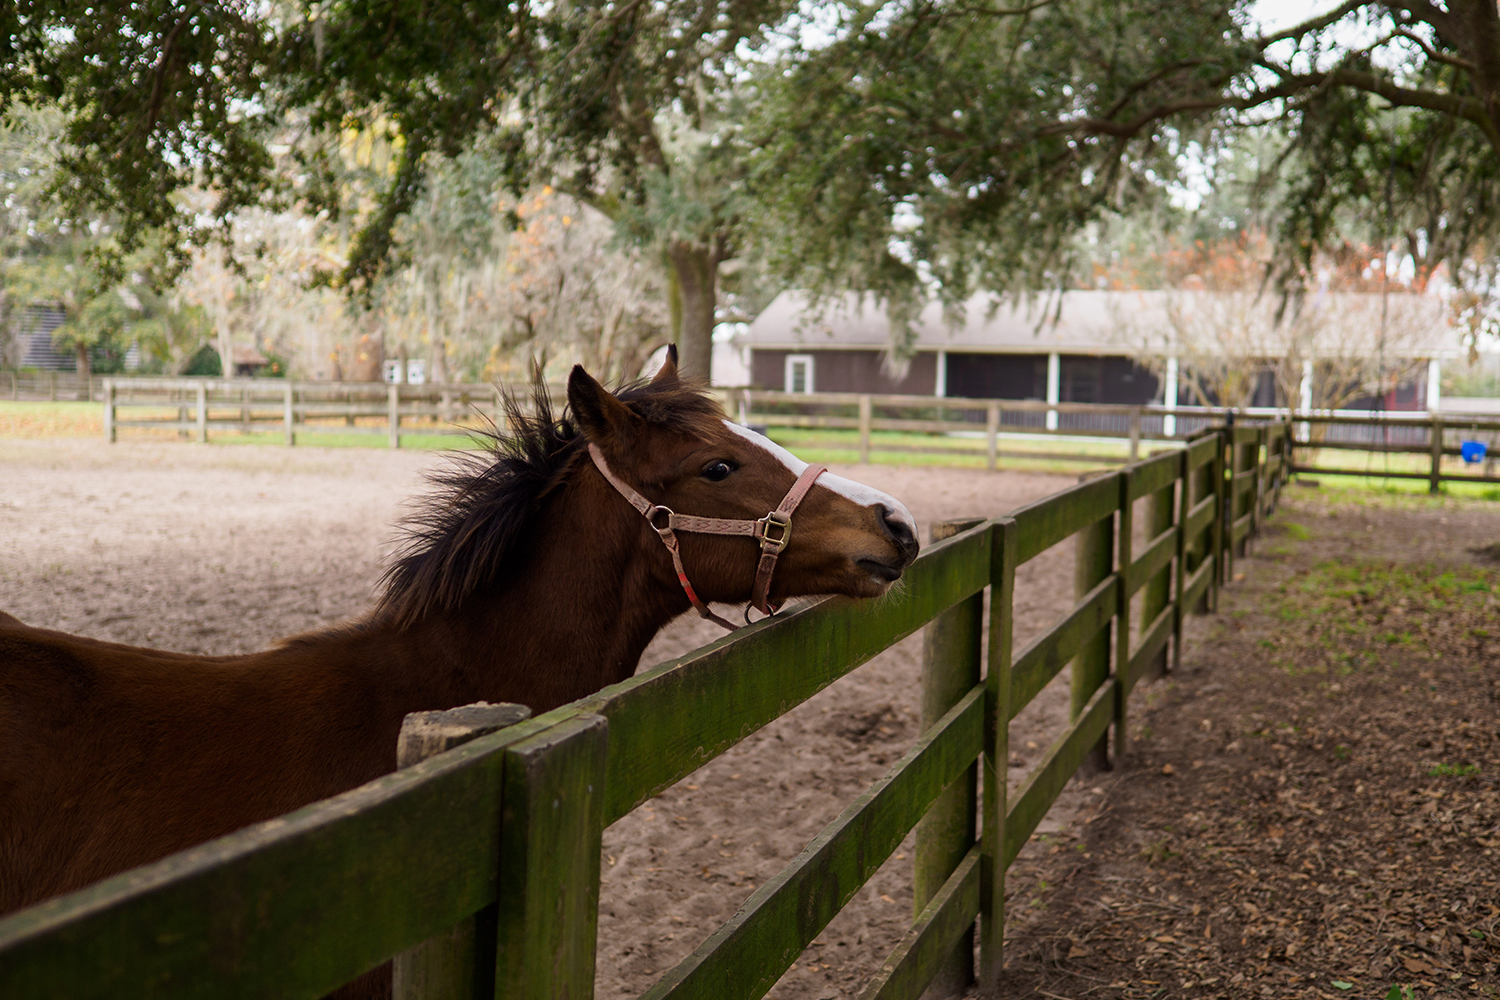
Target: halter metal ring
<point x="775" y="519"/>
<point x="651" y="518"/>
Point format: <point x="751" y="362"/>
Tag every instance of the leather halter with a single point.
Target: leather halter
<point x="772" y="531"/>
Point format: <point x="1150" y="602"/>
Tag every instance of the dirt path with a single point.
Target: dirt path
<point x="224" y="549"/>
<point x="1312" y="807"/>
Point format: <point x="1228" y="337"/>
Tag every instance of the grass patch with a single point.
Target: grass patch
<point x="33" y="421"/>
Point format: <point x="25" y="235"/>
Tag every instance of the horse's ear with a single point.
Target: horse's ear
<point x="668" y="370"/>
<point x="604" y="419"/>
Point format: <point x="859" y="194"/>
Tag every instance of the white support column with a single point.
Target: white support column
<point x="940" y="387"/>
<point x="1434" y="386"/>
<point x="1169" y="399"/>
<point x="1305" y="398"/>
<point x="1054" y="387"/>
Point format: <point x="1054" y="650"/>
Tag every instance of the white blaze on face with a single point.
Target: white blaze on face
<point x="865" y="496"/>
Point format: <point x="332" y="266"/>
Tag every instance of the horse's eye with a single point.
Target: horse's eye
<point x="716" y="472"/>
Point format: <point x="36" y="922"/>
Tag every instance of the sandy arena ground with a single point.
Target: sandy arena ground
<point x="223" y="549"/>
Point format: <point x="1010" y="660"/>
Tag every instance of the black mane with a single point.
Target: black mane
<point x="460" y="535"/>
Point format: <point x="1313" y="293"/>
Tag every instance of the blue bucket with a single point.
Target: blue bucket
<point x="1473" y="452"/>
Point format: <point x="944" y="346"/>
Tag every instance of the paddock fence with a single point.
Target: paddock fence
<point x="193" y="407"/>
<point x="1394" y="445"/>
<point x="479" y="868"/>
<point x="1409" y="445"/>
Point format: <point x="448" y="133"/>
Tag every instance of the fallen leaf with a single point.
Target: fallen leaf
<point x="1339" y="984"/>
<point x="1168" y="769"/>
<point x="1079" y="951"/>
<point x="1416" y="965"/>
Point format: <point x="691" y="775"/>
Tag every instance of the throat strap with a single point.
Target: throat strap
<point x="773" y="532"/>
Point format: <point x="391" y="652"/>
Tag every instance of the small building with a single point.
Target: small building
<point x="1082" y="346"/>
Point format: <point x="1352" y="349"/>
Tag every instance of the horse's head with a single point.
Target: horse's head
<point x="671" y="444"/>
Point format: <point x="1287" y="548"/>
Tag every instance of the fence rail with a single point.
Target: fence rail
<point x="502" y="835"/>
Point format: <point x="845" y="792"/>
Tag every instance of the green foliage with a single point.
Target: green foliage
<point x="1446" y="770"/>
<point x="204" y="361"/>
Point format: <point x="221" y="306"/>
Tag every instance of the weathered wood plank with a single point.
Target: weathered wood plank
<point x="744" y="958"/>
<point x="1092" y="563"/>
<point x="1047" y="779"/>
<point x="1151" y="562"/>
<point x="1244" y="434"/>
<point x="670" y="720"/>
<point x="1202" y="515"/>
<point x="1198" y="582"/>
<point x="1241" y="529"/>
<point x="459" y="964"/>
<point x="950" y="670"/>
<point x="1243" y="482"/>
<point x="1202" y="451"/>
<point x="1043" y="524"/>
<point x="1151" y="475"/>
<point x="1152" y="641"/>
<point x="292" y="907"/>
<point x="996" y="758"/>
<point x="942" y="923"/>
<point x="1049" y="652"/>
<point x="547" y="923"/>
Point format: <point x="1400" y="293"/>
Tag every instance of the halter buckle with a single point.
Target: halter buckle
<point x="775" y="519"/>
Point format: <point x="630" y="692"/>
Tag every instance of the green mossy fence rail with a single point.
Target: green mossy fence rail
<point x="493" y="847"/>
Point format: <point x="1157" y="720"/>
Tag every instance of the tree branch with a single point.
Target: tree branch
<point x="1435" y="55"/>
<point x="1312" y="24"/>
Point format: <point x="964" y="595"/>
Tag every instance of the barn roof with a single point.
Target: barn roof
<point x="1111" y="322"/>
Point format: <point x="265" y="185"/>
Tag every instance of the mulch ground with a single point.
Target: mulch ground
<point x="1311" y="805"/>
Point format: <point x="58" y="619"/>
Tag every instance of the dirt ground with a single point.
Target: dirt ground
<point x="1309" y="808"/>
<point x="223" y="549"/>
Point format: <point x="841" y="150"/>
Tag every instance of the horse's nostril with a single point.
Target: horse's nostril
<point x="901" y="533"/>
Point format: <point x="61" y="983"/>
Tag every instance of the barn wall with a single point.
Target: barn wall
<point x="846" y="371"/>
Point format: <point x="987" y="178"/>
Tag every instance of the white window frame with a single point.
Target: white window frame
<point x="791" y="361"/>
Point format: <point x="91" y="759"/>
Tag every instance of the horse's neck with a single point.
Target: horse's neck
<point x="576" y="613"/>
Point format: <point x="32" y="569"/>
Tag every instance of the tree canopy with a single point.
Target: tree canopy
<point x="926" y="147"/>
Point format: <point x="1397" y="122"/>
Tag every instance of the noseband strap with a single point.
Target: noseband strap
<point x="773" y="532"/>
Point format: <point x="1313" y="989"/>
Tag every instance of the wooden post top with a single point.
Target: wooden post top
<point x="427" y="734"/>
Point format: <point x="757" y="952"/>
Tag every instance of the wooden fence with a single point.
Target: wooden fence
<point x="193" y="406"/>
<point x="1435" y="437"/>
<point x="485" y="859"/>
<point x="51" y="386"/>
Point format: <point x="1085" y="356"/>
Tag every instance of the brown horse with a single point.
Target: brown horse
<point x="527" y="578"/>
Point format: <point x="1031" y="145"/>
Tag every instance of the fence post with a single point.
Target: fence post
<point x="1435" y="478"/>
<point x="1157" y="593"/>
<point x="1125" y="543"/>
<point x="1135" y="433"/>
<point x="996" y="757"/>
<point x="52" y="387"/>
<point x="1185" y="560"/>
<point x="864" y="429"/>
<point x="202" y="412"/>
<point x="551" y="832"/>
<point x="393" y="417"/>
<point x="287" y="412"/>
<point x="109" y="410"/>
<point x="1223" y="530"/>
<point x="1093" y="561"/>
<point x="450" y="966"/>
<point x="992" y="435"/>
<point x="950" y="669"/>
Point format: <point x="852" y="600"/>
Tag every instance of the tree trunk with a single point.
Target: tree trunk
<point x="696" y="269"/>
<point x="81" y="351"/>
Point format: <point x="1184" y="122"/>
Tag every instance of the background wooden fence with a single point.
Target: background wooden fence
<point x="480" y="865"/>
<point x="193" y="407"/>
<point x="1423" y="446"/>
